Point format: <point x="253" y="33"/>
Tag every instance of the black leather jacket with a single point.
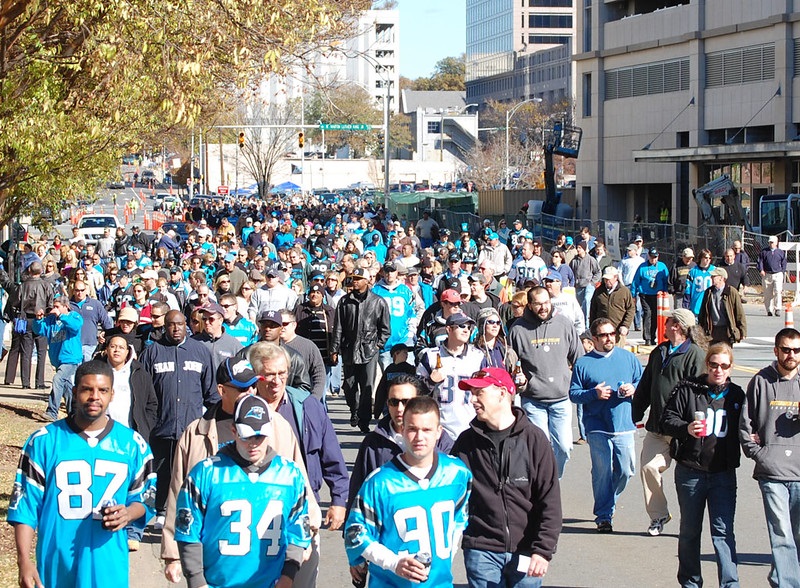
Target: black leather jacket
<point x="360" y="329"/>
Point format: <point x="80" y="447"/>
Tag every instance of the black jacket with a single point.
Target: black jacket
<point x="378" y="448"/>
<point x="372" y="328"/>
<point x="515" y="505"/>
<point x="693" y="395"/>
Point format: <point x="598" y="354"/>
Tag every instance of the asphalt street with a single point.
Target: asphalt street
<point x="628" y="557"/>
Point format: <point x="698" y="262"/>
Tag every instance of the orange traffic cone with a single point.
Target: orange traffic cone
<point x="788" y="314"/>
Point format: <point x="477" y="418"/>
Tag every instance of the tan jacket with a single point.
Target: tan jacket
<point x="200" y="441"/>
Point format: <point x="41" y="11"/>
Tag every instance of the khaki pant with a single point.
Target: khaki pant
<point x="655" y="461"/>
<point x="773" y="288"/>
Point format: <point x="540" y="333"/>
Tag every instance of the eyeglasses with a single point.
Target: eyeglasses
<point x="81" y="290"/>
<point x="787" y="350"/>
<point x="515" y="305"/>
<point x="246" y="288"/>
<point x="605" y="335"/>
<point x="713" y="365"/>
<point x="224" y="282"/>
<point x="227" y="305"/>
<point x="156" y="316"/>
<point x="202" y="294"/>
<point x="287" y="323"/>
<point x="395" y="402"/>
<point x="464" y="326"/>
<point x="492" y="322"/>
<point x="273" y="375"/>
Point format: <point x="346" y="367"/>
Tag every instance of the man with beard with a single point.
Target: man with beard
<point x="547" y="345"/>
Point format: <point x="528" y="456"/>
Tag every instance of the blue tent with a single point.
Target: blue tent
<point x="286" y="187"/>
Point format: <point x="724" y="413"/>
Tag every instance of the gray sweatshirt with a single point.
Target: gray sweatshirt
<point x="546" y="350"/>
<point x="770" y="400"/>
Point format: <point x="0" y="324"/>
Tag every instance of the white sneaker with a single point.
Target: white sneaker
<point x="657" y="525"/>
<point x="159" y="524"/>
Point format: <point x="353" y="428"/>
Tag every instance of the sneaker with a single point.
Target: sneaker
<point x="769" y="313"/>
<point x="353" y="420"/>
<point x="48" y="417"/>
<point x="159" y="524"/>
<point x="580" y="441"/>
<point x="657" y="525"/>
<point x="605" y="527"/>
<point x="133" y="545"/>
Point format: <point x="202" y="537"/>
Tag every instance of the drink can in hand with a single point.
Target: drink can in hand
<point x="700" y="416"/>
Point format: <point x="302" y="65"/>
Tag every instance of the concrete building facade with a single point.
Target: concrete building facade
<point x="671" y="93"/>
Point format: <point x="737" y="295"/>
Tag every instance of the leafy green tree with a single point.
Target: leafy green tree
<point x="82" y="81"/>
<point x="448" y="74"/>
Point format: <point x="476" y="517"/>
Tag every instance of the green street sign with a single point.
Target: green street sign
<point x="344" y="127"/>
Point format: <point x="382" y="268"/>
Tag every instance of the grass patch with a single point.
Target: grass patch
<point x="17" y="422"/>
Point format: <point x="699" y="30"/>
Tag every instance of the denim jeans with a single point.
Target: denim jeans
<point x="613" y="464"/>
<point x="555" y="419"/>
<point x="782" y="508"/>
<point x="63" y="381"/>
<point x="718" y="490"/>
<point x="88" y="351"/>
<point x="486" y="569"/>
<point x="579" y="416"/>
<point x="584" y="296"/>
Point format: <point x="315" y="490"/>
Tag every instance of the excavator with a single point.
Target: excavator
<point x="730" y="212"/>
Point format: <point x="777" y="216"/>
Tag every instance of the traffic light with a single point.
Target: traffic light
<point x="301" y="139"/>
<point x="241" y="140"/>
<point x="381" y="141"/>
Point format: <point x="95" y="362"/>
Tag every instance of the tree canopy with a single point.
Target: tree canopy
<point x="448" y="74"/>
<point x="83" y="81"/>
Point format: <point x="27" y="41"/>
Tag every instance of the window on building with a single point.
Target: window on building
<point x="434" y="127"/>
<point x="587" y="95"/>
<point x="587" y="25"/>
<point x="549" y="21"/>
<point x="550" y="3"/>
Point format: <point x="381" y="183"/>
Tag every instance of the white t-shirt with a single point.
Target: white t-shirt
<point x="119" y="408"/>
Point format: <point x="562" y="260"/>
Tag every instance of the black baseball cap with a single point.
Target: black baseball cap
<point x="251" y="417"/>
<point x="270" y="316"/>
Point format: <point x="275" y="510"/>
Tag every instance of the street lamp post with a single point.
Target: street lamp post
<point x="509" y="114"/>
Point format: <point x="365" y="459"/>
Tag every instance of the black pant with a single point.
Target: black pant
<point x="359" y="381"/>
<point x="163" y="453"/>
<point x="649" y="317"/>
<point x="22" y="352"/>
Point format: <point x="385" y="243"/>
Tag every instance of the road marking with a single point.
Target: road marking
<point x="746" y="369"/>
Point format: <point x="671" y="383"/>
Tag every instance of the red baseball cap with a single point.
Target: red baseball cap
<point x="490" y="376"/>
<point x="450" y="296"/>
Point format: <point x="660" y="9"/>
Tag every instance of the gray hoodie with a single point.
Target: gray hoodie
<point x="770" y="400"/>
<point x="546" y="350"/>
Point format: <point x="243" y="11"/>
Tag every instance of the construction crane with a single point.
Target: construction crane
<point x="562" y="140"/>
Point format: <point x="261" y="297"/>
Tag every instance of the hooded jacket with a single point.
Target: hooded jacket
<point x="501" y="355"/>
<point x="769" y="402"/>
<point x="515" y="505"/>
<point x="692" y="396"/>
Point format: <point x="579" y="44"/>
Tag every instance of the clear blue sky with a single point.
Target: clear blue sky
<point x="430" y="30"/>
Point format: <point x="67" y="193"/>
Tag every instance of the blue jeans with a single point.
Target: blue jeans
<point x="782" y="508"/>
<point x="579" y="416"/>
<point x="555" y="419"/>
<point x="613" y="464"/>
<point x="584" y="296"/>
<point x="88" y="351"/>
<point x="696" y="489"/>
<point x="63" y="381"/>
<point x="486" y="569"/>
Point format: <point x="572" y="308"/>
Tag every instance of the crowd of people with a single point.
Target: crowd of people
<point x="459" y="356"/>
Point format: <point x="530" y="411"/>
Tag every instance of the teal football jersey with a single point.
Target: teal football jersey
<point x="243" y="519"/>
<point x="410" y="516"/>
<point x="64" y="478"/>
